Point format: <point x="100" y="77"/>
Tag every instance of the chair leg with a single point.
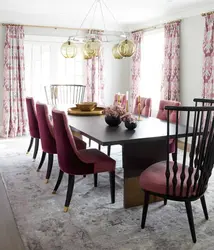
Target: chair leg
<point x="109" y="150"/>
<point x="190" y="219"/>
<point x="112" y="185"/>
<point x="99" y="147"/>
<point x="89" y="142"/>
<point x="165" y="201"/>
<point x="36" y="148"/>
<point x="145" y="209"/>
<point x="61" y="173"/>
<point x="30" y="145"/>
<point x="204" y="206"/>
<point x="69" y="192"/>
<point x="50" y="165"/>
<point x="42" y="161"/>
<point x="95" y="180"/>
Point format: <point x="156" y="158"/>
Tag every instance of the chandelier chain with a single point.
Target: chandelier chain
<point x="95" y="2"/>
<point x="113" y="17"/>
<point x="101" y="9"/>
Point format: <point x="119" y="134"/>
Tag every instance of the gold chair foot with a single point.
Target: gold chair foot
<point x="37" y="170"/>
<point x="54" y="192"/>
<point x="27" y="153"/>
<point x="66" y="209"/>
<point x="46" y="181"/>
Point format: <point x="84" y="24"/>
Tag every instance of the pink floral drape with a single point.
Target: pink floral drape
<point x="135" y="68"/>
<point x="208" y="49"/>
<point x="14" y="115"/>
<point x="170" y="89"/>
<point x="95" y="80"/>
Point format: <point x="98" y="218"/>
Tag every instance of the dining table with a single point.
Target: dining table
<point x="141" y="147"/>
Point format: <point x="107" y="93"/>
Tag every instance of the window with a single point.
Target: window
<point x="152" y="56"/>
<point x="45" y="65"/>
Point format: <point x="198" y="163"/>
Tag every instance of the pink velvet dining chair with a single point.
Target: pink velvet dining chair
<point x="48" y="138"/>
<point x="120" y="99"/>
<point x="78" y="162"/>
<point x="143" y="106"/>
<point x="33" y="126"/>
<point x="162" y="115"/>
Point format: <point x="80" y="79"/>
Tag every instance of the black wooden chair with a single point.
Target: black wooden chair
<point x="64" y="94"/>
<point x="187" y="180"/>
<point x="203" y="102"/>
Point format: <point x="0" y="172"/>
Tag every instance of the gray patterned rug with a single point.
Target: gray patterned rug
<point x="92" y="221"/>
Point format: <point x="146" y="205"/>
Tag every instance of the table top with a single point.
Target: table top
<point x="95" y="128"/>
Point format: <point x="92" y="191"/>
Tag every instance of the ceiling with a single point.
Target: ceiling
<point x="70" y="13"/>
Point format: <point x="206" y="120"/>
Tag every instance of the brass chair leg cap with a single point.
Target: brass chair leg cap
<point x="27" y="153"/>
<point x="37" y="170"/>
<point x="46" y="181"/>
<point x="54" y="192"/>
<point x="66" y="209"/>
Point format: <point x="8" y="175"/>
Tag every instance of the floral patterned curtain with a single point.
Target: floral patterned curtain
<point x="135" y="68"/>
<point x="208" y="49"/>
<point x="14" y="110"/>
<point x="170" y="88"/>
<point x="95" y="80"/>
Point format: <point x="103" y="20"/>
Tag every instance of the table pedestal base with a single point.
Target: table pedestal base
<point x="136" y="158"/>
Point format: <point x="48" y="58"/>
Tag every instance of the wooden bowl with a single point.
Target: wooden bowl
<point x="86" y="106"/>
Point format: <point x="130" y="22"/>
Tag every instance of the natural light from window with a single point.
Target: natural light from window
<point x="45" y="65"/>
<point x="152" y="56"/>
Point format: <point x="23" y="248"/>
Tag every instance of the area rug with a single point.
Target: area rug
<point x="92" y="221"/>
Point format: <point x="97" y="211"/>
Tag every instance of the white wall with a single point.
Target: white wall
<point x="192" y="33"/>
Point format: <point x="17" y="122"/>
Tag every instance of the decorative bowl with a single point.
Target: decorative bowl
<point x="112" y="121"/>
<point x="130" y="125"/>
<point x="86" y="106"/>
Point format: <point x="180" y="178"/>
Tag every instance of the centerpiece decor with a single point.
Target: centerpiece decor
<point x="113" y="115"/>
<point x="130" y="121"/>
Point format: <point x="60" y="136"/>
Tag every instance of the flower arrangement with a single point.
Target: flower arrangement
<point x="130" y="121"/>
<point x="115" y="111"/>
<point x="128" y="117"/>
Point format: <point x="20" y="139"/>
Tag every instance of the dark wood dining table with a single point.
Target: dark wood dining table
<point x="140" y="148"/>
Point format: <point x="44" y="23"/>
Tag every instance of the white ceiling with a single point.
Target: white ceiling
<point x="70" y="13"/>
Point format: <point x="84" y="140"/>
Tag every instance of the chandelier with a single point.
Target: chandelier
<point x="93" y="40"/>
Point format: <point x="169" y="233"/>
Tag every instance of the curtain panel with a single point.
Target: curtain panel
<point x="14" y="109"/>
<point x="170" y="87"/>
<point x="135" y="68"/>
<point x="95" y="79"/>
<point x="208" y="64"/>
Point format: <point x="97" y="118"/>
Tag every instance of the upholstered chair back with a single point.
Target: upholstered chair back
<point x="45" y="129"/>
<point x="120" y="99"/>
<point x="145" y="106"/>
<point x="162" y="113"/>
<point x="32" y="118"/>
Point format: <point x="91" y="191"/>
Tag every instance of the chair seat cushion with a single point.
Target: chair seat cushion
<point x="153" y="179"/>
<point x="102" y="162"/>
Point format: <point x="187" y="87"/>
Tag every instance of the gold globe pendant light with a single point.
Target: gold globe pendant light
<point x="116" y="53"/>
<point x="69" y="49"/>
<point x="126" y="48"/>
<point x="92" y="47"/>
<point x="86" y="56"/>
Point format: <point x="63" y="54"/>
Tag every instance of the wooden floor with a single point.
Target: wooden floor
<point x="9" y="235"/>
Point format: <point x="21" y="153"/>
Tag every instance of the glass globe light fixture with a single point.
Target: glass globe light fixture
<point x="116" y="53"/>
<point x="86" y="56"/>
<point x="92" y="47"/>
<point x="126" y="48"/>
<point x="69" y="49"/>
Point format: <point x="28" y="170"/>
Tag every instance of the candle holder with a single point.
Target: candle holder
<point x="118" y="99"/>
<point x="127" y="106"/>
<point x="139" y="112"/>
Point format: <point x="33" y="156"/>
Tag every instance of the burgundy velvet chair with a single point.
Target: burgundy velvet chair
<point x="48" y="138"/>
<point x="33" y="126"/>
<point x="145" y="106"/>
<point x="162" y="115"/>
<point x="186" y="180"/>
<point x="78" y="162"/>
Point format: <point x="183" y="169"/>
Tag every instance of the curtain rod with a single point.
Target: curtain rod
<point x="208" y="13"/>
<point x="49" y="27"/>
<point x="156" y="26"/>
